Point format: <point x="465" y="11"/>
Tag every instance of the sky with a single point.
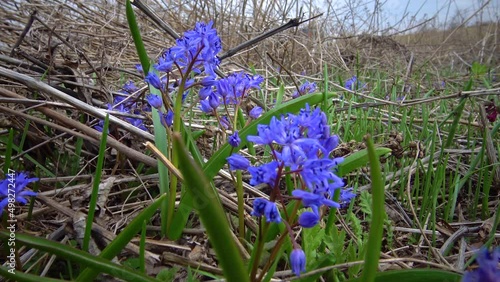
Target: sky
<point x="445" y="11"/>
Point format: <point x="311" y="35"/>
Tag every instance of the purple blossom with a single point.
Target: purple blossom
<point x="305" y="88"/>
<point x="167" y="119"/>
<point x="311" y="199"/>
<point x="153" y="79"/>
<point x="308" y="219"/>
<point x="224" y="122"/>
<point x="138" y="67"/>
<point x="197" y="49"/>
<point x="154" y="101"/>
<point x="268" y="209"/>
<point x="265" y="173"/>
<point x="298" y="261"/>
<point x="237" y="162"/>
<point x="130" y="87"/>
<point x="205" y="106"/>
<point x="255" y="112"/>
<point x="488" y="270"/>
<point x="13" y="189"/>
<point x="234" y="140"/>
<point x="137" y="122"/>
<point x="235" y="87"/>
<point x="353" y="84"/>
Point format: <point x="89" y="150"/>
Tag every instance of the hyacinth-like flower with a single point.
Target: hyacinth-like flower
<point x="234" y="140"/>
<point x="303" y="143"/>
<point x="305" y="88"/>
<point x="154" y="101"/>
<point x="268" y="209"/>
<point x="237" y="162"/>
<point x="488" y="270"/>
<point x="167" y="119"/>
<point x="129" y="106"/>
<point x="196" y="50"/>
<point x="353" y="84"/>
<point x="14" y="188"/>
<point x="255" y="112"/>
<point x="298" y="261"/>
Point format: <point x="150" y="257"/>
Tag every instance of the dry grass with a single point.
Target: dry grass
<point x="85" y="49"/>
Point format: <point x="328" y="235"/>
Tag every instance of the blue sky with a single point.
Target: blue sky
<point x="445" y="10"/>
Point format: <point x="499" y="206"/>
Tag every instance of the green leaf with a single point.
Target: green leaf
<point x="136" y="35"/>
<point x="312" y="238"/>
<point x="358" y="159"/>
<point x="95" y="186"/>
<point x="378" y="215"/>
<point x="167" y="274"/>
<point x="365" y="202"/>
<point x="24" y="277"/>
<point x="478" y="69"/>
<point x="99" y="264"/>
<point x="115" y="247"/>
<point x="415" y="275"/>
<point x="212" y="215"/>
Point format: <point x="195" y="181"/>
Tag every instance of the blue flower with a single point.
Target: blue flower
<point x="224" y="122"/>
<point x="205" y="106"/>
<point x="154" y="101"/>
<point x="305" y="88"/>
<point x="153" y="79"/>
<point x="198" y="48"/>
<point x="271" y="213"/>
<point x="310" y="199"/>
<point x="237" y="162"/>
<point x="298" y="261"/>
<point x="13" y="188"/>
<point x="137" y="122"/>
<point x="100" y="126"/>
<point x="236" y="86"/>
<point x="255" y="112"/>
<point x="234" y="140"/>
<point x="167" y="118"/>
<point x="488" y="270"/>
<point x="265" y="173"/>
<point x="263" y="207"/>
<point x="138" y="67"/>
<point x="308" y="219"/>
<point x="353" y="84"/>
<point x="213" y="100"/>
<point x="130" y="87"/>
<point x="259" y="207"/>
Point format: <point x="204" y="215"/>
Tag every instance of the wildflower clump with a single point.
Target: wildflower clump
<point x="13" y="189"/>
<point x="354" y="84"/>
<point x="125" y="103"/>
<point x="302" y="145"/>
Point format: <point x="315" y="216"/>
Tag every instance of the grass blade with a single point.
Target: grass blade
<point x="212" y="215"/>
<point x="97" y="264"/>
<point x="115" y="247"/>
<point x="136" y="35"/>
<point x="378" y="209"/>
<point x="95" y="186"/>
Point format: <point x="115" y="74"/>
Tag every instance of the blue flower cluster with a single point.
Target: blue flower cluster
<point x="305" y="88"/>
<point x="195" y="52"/>
<point x="129" y="106"/>
<point x="303" y="143"/>
<point x="488" y="270"/>
<point x="229" y="90"/>
<point x="354" y="84"/>
<point x="13" y="188"/>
